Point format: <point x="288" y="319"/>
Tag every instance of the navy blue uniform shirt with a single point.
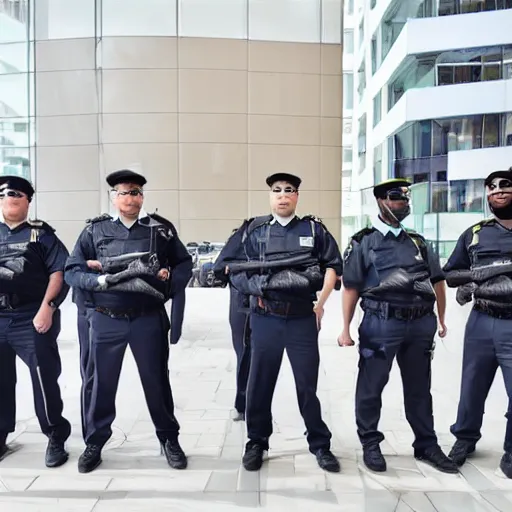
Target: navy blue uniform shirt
<point x="357" y="258"/>
<point x="43" y="254"/>
<point x="171" y="254"/>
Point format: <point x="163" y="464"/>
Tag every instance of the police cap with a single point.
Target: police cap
<point x="125" y="176"/>
<point x="498" y="174"/>
<point x="381" y="190"/>
<point x="17" y="183"/>
<point x="293" y="180"/>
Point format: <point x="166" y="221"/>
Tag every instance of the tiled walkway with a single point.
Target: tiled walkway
<point x="134" y="477"/>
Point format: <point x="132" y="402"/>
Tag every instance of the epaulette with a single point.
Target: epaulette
<point x="162" y="220"/>
<point x="361" y="234"/>
<point x="313" y="218"/>
<point x="414" y="234"/>
<point x="99" y="218"/>
<point x="40" y="224"/>
<point x="477" y="227"/>
<point x="256" y="222"/>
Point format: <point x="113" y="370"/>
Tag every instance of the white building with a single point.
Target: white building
<point x="432" y="103"/>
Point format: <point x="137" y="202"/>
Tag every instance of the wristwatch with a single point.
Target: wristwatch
<point x="52" y="305"/>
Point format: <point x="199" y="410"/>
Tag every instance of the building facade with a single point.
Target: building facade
<point x="204" y="97"/>
<point x="433" y="103"/>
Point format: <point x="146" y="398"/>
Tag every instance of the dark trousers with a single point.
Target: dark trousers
<point x="147" y="338"/>
<point x="40" y="353"/>
<point x="270" y="336"/>
<point x="487" y="346"/>
<point x="86" y="366"/>
<point x="411" y="341"/>
<point x="239" y="322"/>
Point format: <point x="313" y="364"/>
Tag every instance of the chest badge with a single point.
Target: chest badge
<point x="306" y="241"/>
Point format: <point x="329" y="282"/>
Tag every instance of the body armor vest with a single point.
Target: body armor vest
<point x="274" y="243"/>
<point x="399" y="272"/>
<point x="23" y="271"/>
<point x="490" y="254"/>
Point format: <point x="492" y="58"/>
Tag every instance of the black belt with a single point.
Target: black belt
<point x="125" y="313"/>
<point x="494" y="309"/>
<point x="9" y="301"/>
<point x="284" y="308"/>
<point x="386" y="310"/>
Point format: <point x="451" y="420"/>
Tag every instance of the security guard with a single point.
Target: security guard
<point x="239" y="320"/>
<point x="32" y="288"/>
<point x="481" y="267"/>
<point x="130" y="265"/>
<point x="287" y="260"/>
<point x="398" y="278"/>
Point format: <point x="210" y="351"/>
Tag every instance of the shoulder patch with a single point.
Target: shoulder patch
<point x="99" y="218"/>
<point x="357" y="237"/>
<point x="40" y="224"/>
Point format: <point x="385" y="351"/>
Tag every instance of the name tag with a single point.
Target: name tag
<point x="306" y="241"/>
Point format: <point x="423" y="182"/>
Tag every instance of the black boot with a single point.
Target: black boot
<point x="3" y="446"/>
<point x="327" y="461"/>
<point x="90" y="459"/>
<point x="253" y="456"/>
<point x="56" y="455"/>
<point x="461" y="450"/>
<point x="373" y="458"/>
<point x="506" y="464"/>
<point x="175" y="456"/>
<point x="239" y="416"/>
<point x="437" y="459"/>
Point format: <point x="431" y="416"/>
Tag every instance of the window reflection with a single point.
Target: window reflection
<point x="62" y="19"/>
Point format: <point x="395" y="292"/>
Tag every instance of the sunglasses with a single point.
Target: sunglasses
<point x="399" y="194"/>
<point x="504" y="183"/>
<point x="134" y="192"/>
<point x="11" y="193"/>
<point x="287" y="191"/>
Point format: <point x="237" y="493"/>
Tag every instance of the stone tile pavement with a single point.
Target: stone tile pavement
<point x="134" y="477"/>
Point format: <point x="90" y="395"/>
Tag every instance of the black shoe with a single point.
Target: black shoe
<point x="4" y="450"/>
<point x="253" y="456"/>
<point x="506" y="464"/>
<point x="327" y="461"/>
<point x="437" y="459"/>
<point x="373" y="458"/>
<point x="175" y="456"/>
<point x="460" y="451"/>
<point x="56" y="455"/>
<point x="90" y="459"/>
<point x="239" y="416"/>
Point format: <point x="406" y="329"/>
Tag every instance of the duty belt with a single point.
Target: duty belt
<point x="125" y="313"/>
<point x="386" y="310"/>
<point x="283" y="308"/>
<point x="494" y="309"/>
<point x="9" y="301"/>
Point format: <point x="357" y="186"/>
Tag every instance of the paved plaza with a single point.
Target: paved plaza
<point x="134" y="477"/>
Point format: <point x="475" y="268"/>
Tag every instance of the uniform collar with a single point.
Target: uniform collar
<point x="283" y="221"/>
<point x="384" y="228"/>
<point x="142" y="214"/>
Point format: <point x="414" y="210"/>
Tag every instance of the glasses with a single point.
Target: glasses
<point x="399" y="194"/>
<point x="11" y="193"/>
<point x="502" y="184"/>
<point x="287" y="191"/>
<point x="134" y="192"/>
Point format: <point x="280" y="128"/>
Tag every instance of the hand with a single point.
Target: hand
<point x="43" y="319"/>
<point x="319" y="312"/>
<point x="94" y="265"/>
<point x="163" y="274"/>
<point x="345" y="340"/>
<point x="442" y="329"/>
<point x="226" y="270"/>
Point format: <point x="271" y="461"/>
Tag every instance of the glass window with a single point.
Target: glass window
<point x="507" y="62"/>
<point x="491" y="130"/>
<point x="467" y="6"/>
<point x="377" y="109"/>
<point x="377" y="164"/>
<point x="350" y="7"/>
<point x="404" y="143"/>
<point x="204" y="18"/>
<point x="16" y="58"/>
<point x="348" y="42"/>
<point x="136" y="18"/>
<point x="507" y="130"/>
<point x="14" y="19"/>
<point x="15" y="97"/>
<point x="63" y="19"/>
<point x="347" y="155"/>
<point x="285" y="20"/>
<point x="424" y="139"/>
<point x="348" y="91"/>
